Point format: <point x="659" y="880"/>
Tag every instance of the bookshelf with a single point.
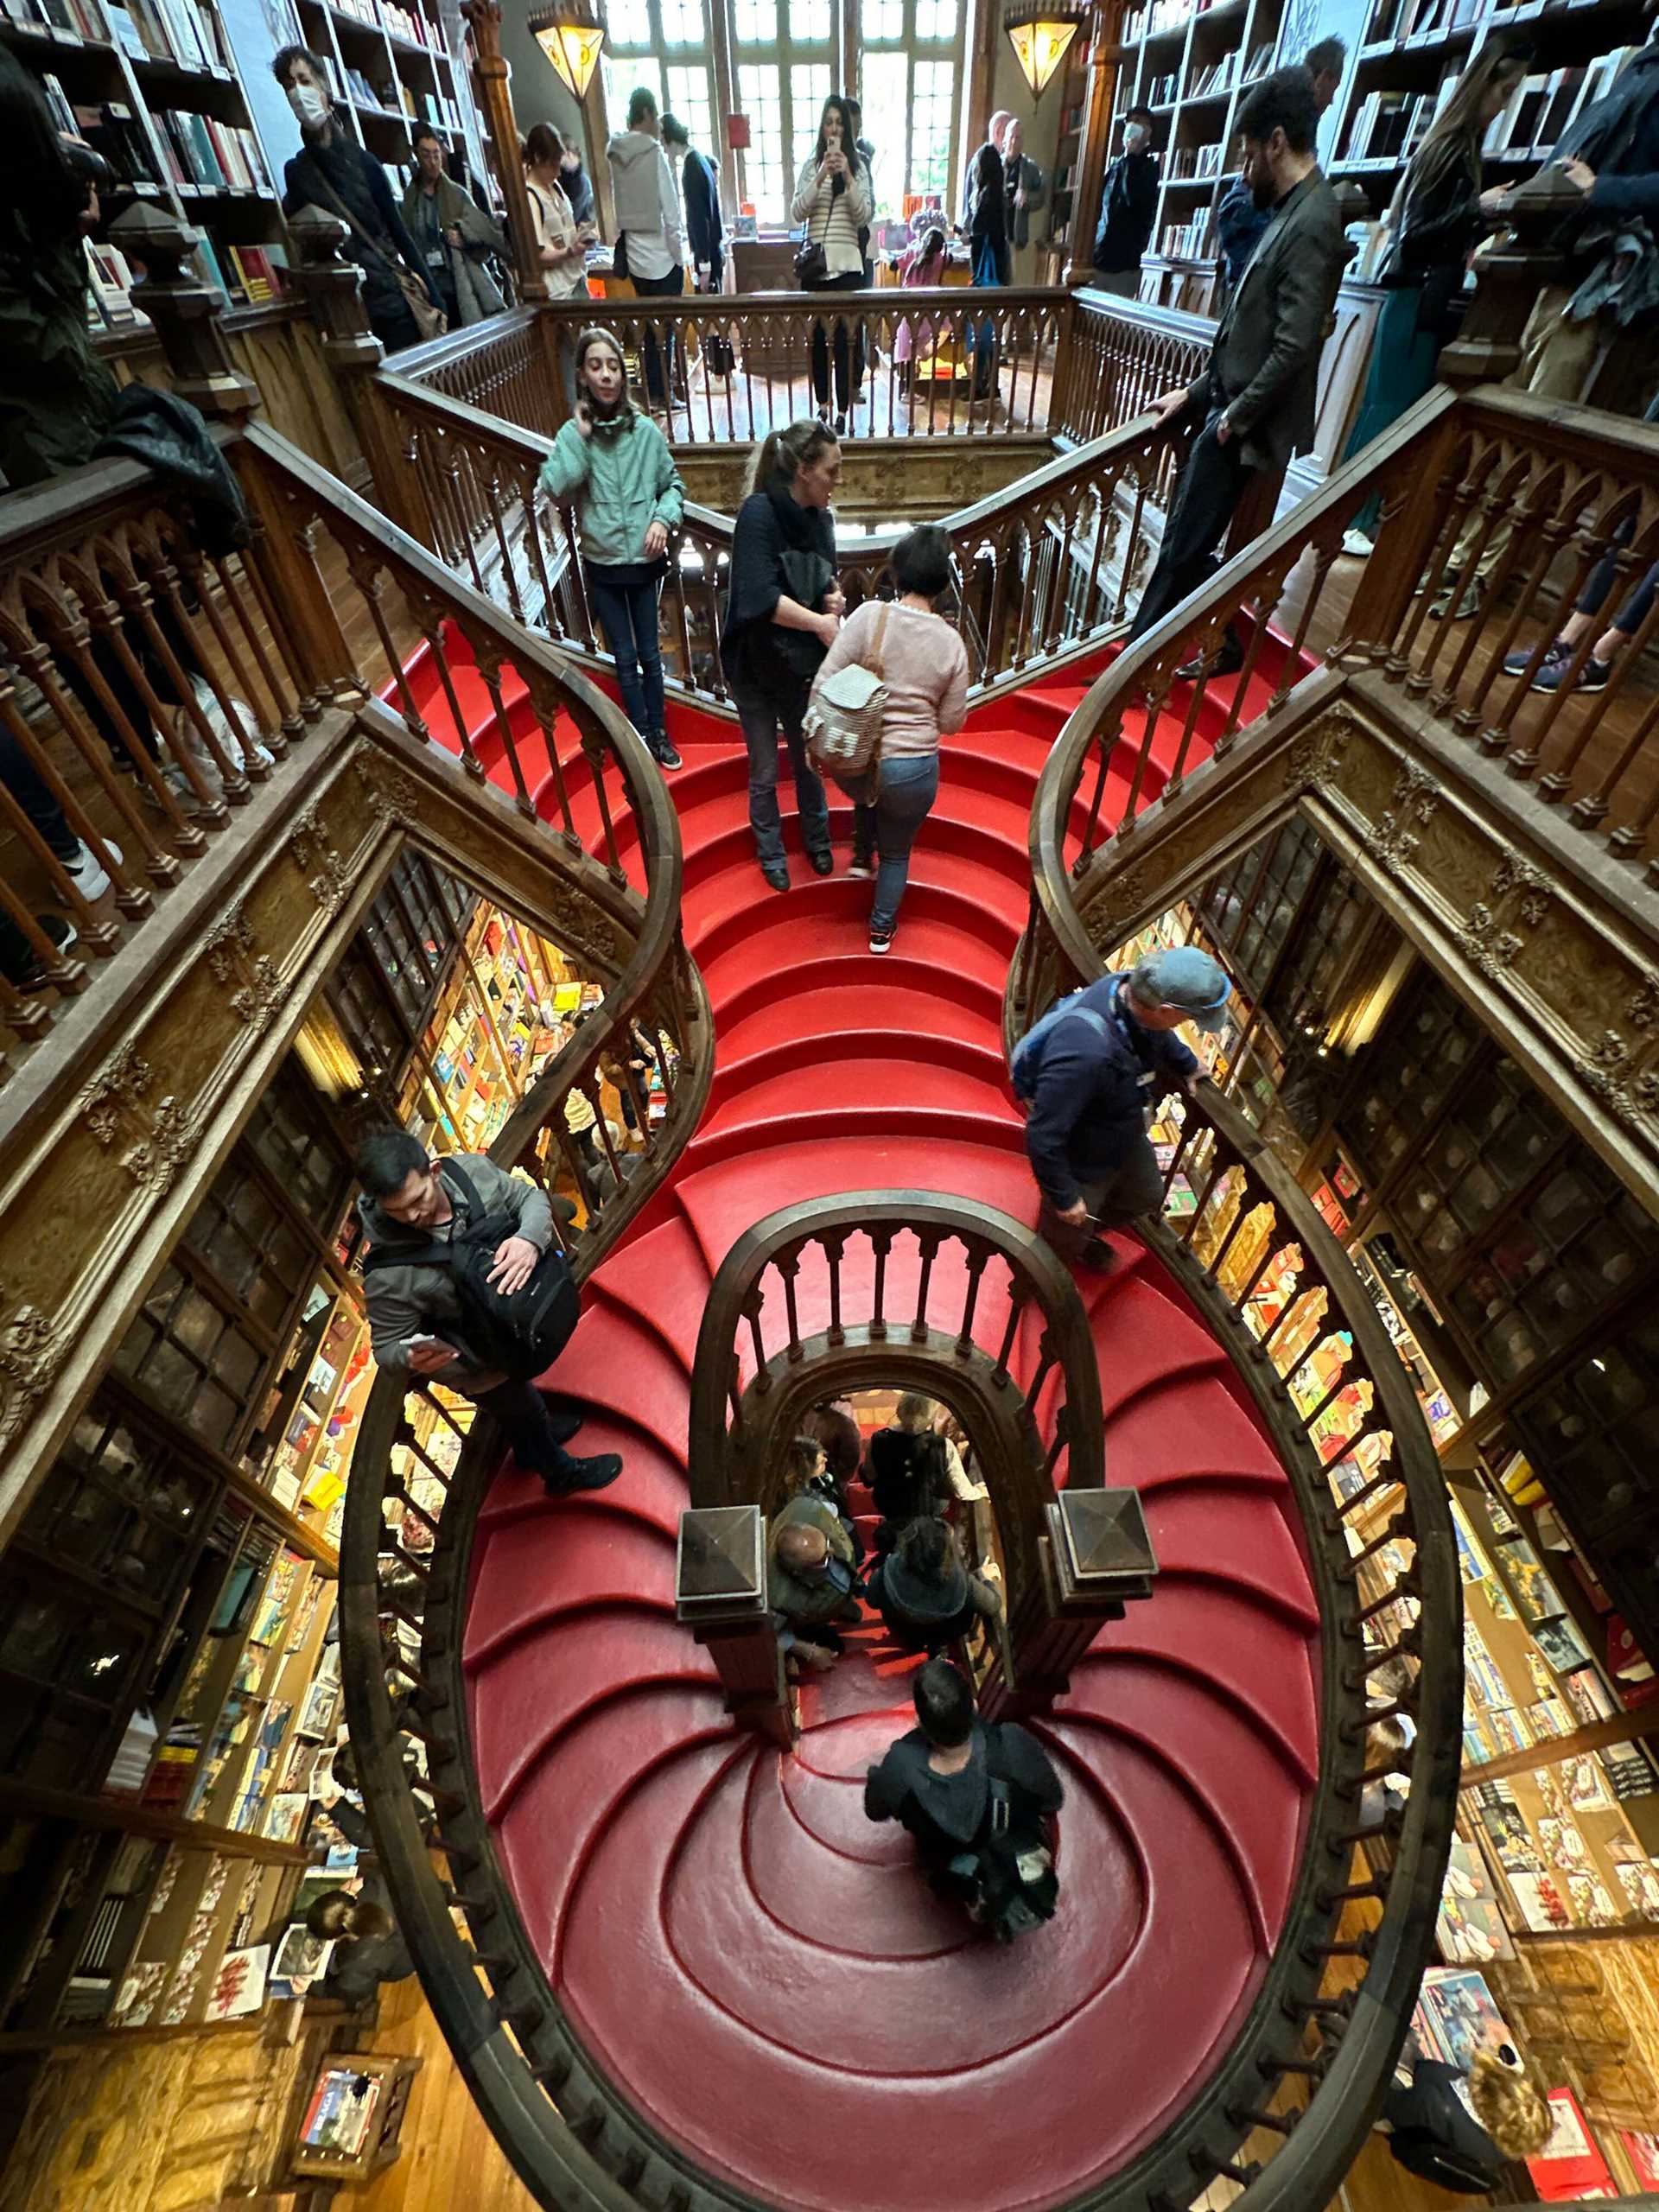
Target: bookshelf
<point x="1193" y="67"/>
<point x="1059" y="246"/>
<point x="177" y="96"/>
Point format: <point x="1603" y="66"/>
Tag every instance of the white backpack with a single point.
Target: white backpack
<point x="845" y="713"/>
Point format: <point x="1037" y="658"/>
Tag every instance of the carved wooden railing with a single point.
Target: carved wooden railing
<point x="1043" y="570"/>
<point x="904" y="1288"/>
<point x="985" y="360"/>
<point x="1119" y="359"/>
<point x="1561" y="499"/>
<point x="126" y="651"/>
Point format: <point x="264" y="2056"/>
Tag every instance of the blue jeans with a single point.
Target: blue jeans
<point x="759" y="716"/>
<point x="624" y="600"/>
<point x="901" y="792"/>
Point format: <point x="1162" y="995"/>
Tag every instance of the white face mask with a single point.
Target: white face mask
<point x="308" y="104"/>
<point x="1134" y="137"/>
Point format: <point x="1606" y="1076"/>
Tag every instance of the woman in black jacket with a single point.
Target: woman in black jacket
<point x="925" y="1596"/>
<point x="1438" y="214"/>
<point x="782" y="613"/>
<point x="988" y="233"/>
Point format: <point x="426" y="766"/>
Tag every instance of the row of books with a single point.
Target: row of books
<point x="73" y="20"/>
<point x="184" y="32"/>
<point x="1195" y="162"/>
<point x="1546" y="104"/>
<point x="109" y="297"/>
<point x="1214" y="77"/>
<point x="1166" y="16"/>
<point x="217" y="157"/>
<point x="386" y="15"/>
<point x="1161" y="89"/>
<point x="1188" y="241"/>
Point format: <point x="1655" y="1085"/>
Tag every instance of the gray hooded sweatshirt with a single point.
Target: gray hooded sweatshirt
<point x="647" y="205"/>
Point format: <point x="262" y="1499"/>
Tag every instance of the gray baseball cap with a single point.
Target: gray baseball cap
<point x="1186" y="977"/>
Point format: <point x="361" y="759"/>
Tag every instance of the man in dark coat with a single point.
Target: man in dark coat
<point x="1090" y="1080"/>
<point x="333" y="172"/>
<point x="938" y="1782"/>
<point x="1254" y="405"/>
<point x="1128" y="206"/>
<point x="705" y="231"/>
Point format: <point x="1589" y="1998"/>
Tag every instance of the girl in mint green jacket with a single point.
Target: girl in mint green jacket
<point x="613" y="464"/>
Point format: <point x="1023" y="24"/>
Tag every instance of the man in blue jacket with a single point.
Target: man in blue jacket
<point x="1101" y="1066"/>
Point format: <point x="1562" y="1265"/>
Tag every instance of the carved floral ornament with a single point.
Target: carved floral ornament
<point x="32" y="1350"/>
<point x="329" y="879"/>
<point x="391" y="791"/>
<point x="1517" y="899"/>
<point x="157" y="1140"/>
<point x="1414" y="800"/>
<point x="1623" y="1073"/>
<point x="234" y="960"/>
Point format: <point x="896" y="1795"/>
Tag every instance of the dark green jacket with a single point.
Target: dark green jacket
<point x="56" y="396"/>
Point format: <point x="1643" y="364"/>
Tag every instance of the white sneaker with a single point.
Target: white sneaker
<point x="239" y="737"/>
<point x="1357" y="545"/>
<point x="86" y="873"/>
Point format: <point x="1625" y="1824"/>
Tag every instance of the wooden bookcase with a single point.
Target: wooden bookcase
<point x="178" y="96"/>
<point x="1059" y="244"/>
<point x="1193" y="67"/>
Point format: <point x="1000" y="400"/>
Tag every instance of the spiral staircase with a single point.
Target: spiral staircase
<point x="715" y="1983"/>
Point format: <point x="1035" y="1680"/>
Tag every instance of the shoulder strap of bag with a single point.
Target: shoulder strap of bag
<point x="346" y="216"/>
<point x="450" y="1166"/>
<point x="878" y="649"/>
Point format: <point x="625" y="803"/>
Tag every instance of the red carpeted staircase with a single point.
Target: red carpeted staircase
<point x="759" y="1971"/>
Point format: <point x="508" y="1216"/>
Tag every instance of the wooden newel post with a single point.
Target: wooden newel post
<point x="1097" y="1556"/>
<point x="332" y="286"/>
<point x="495" y="104"/>
<point x="720" y="1594"/>
<point x="1509" y="280"/>
<point x="186" y="313"/>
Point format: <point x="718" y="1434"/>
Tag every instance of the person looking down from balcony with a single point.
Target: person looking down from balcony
<point x="1432" y="2134"/>
<point x="1241" y="218"/>
<point x="333" y="172"/>
<point x="811" y="1581"/>
<point x="1253" y="406"/>
<point x="613" y="464"/>
<point x="456" y="237"/>
<point x="1128" y="207"/>
<point x="783" y="612"/>
<point x="924" y="667"/>
<point x="834" y="198"/>
<point x="415" y="1310"/>
<point x="1437" y="213"/>
<point x="925" y="1596"/>
<point x="1091" y="1071"/>
<point x="979" y="1798"/>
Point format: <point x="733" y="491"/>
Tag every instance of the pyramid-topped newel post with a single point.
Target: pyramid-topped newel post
<point x="1096" y="1557"/>
<point x="186" y="312"/>
<point x="494" y="74"/>
<point x="1509" y="279"/>
<point x="720" y="1594"/>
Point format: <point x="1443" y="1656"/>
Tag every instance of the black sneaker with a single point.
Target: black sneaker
<point x="1097" y="1257"/>
<point x="880" y="939"/>
<point x="597" y="1473"/>
<point x="63" y="934"/>
<point x="823" y="862"/>
<point x="663" y="746"/>
<point x="777" y="875"/>
<point x="860" y="868"/>
<point x="1226" y="661"/>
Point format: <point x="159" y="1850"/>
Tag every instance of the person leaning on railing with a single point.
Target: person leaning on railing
<point x="1091" y="1073"/>
<point x="415" y="1312"/>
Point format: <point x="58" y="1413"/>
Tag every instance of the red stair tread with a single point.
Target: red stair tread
<point x="729" y="1937"/>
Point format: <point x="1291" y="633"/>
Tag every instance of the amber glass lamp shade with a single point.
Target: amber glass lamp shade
<point x="1040" y="37"/>
<point x="572" y="46"/>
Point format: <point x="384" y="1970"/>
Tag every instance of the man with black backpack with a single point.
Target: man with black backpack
<point x="979" y="1798"/>
<point x="1089" y="1073"/>
<point x="462" y="1290"/>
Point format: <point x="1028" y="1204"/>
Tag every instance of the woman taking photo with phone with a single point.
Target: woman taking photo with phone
<point x="833" y="198"/>
<point x="613" y="464"/>
<point x="782" y="614"/>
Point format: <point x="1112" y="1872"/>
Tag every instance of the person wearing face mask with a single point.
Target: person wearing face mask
<point x="1253" y="406"/>
<point x="333" y="172"/>
<point x="1128" y="207"/>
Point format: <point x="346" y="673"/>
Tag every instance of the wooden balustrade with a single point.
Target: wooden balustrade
<point x="145" y="684"/>
<point x="716" y="370"/>
<point x="1119" y="359"/>
<point x="1044" y="571"/>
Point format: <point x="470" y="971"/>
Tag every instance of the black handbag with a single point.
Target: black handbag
<point x="812" y="264"/>
<point x="809" y="579"/>
<point x="620" y="256"/>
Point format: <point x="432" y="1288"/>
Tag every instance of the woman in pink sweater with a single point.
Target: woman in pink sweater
<point x="924" y="668"/>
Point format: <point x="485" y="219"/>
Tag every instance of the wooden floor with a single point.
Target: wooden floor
<point x="893" y="401"/>
<point x="450" y="2161"/>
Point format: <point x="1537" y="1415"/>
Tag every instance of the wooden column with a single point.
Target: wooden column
<point x="495" y="104"/>
<point x="185" y="311"/>
<point x="1096" y="1557"/>
<point x="1509" y="278"/>
<point x="720" y="1594"/>
<point x="333" y="288"/>
<point x="1105" y="28"/>
<point x="596" y="120"/>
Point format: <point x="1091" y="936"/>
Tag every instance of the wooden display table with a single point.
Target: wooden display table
<point x="354" y="2117"/>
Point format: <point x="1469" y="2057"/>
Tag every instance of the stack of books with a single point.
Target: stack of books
<point x="209" y="155"/>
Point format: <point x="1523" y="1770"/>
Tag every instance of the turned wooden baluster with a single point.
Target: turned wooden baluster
<point x="185" y="310"/>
